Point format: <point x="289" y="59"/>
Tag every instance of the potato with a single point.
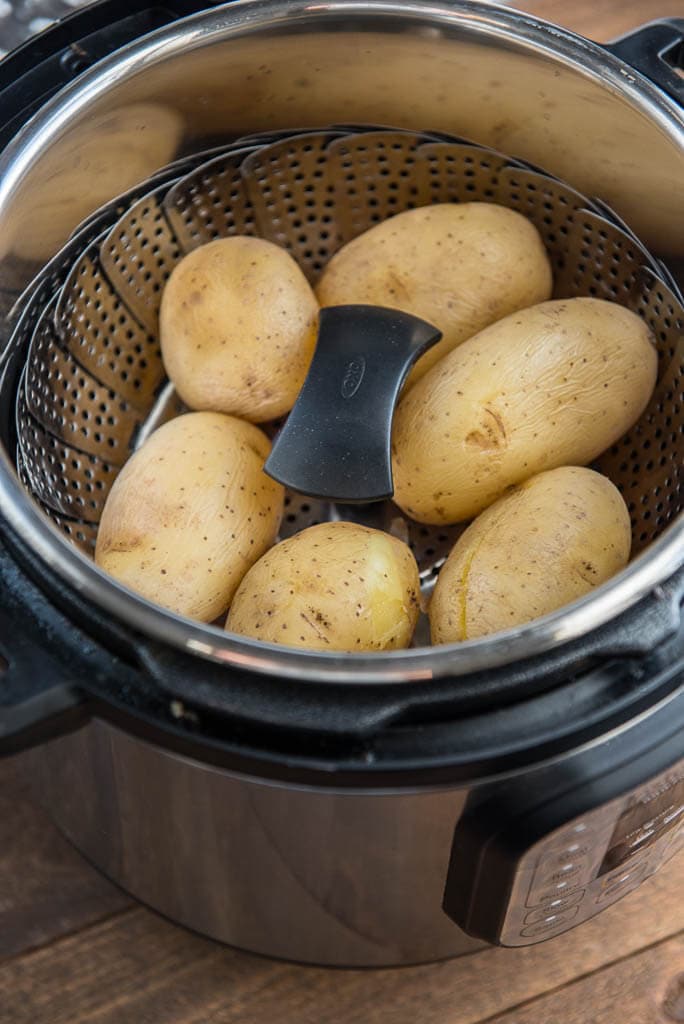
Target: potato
<point x="86" y="168"/>
<point x="458" y="266"/>
<point x="333" y="587"/>
<point x="190" y="512"/>
<point x="553" y="385"/>
<point x="238" y="325"/>
<point x="544" y="544"/>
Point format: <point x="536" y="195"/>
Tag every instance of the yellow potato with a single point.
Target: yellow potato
<point x="458" y="266"/>
<point x="104" y="156"/>
<point x="544" y="544"/>
<point x="333" y="587"/>
<point x="553" y="385"/>
<point x="190" y="512"/>
<point x="238" y="326"/>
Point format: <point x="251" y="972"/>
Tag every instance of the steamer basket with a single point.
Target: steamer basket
<point x="94" y="386"/>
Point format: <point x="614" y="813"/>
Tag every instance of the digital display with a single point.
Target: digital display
<point x="644" y="822"/>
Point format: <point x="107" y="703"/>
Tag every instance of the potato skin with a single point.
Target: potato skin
<point x="460" y="266"/>
<point x="190" y="512"/>
<point x="549" y="386"/>
<point x="238" y="325"/>
<point x="544" y="544"/>
<point x="332" y="587"/>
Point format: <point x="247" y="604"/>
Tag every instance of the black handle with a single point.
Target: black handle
<point x="51" y="59"/>
<point x="38" y="698"/>
<point x="336" y="442"/>
<point x="656" y="50"/>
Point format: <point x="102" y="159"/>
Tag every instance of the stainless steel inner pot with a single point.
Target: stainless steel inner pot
<point x="93" y="385"/>
<point x="476" y="71"/>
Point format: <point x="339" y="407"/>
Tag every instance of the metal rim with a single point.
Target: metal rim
<point x="661" y="560"/>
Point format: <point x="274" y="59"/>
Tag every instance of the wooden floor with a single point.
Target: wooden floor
<point x="73" y="949"/>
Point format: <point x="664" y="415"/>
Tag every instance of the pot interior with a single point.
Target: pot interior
<point x="475" y="71"/>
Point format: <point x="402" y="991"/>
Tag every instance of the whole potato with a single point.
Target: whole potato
<point x="553" y="385"/>
<point x="460" y="266"/>
<point x="333" y="587"/>
<point x="547" y="542"/>
<point x="238" y="324"/>
<point x="190" y="512"/>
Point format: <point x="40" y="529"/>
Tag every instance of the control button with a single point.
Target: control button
<point x="557" y="903"/>
<point x="621" y="882"/>
<point x="550" y="923"/>
<point x="542" y="894"/>
<point x="567" y="871"/>
<point x="570" y="854"/>
<point x="549" y="913"/>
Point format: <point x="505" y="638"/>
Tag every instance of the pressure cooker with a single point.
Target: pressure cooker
<point x="335" y="809"/>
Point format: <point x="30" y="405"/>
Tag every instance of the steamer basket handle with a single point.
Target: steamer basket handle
<point x="656" y="50"/>
<point x="336" y="443"/>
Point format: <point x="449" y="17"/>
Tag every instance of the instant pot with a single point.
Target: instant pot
<point x="342" y="809"/>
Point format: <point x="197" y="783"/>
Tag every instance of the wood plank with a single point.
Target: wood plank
<point x="46" y="888"/>
<point x="647" y="988"/>
<point x="133" y="968"/>
<point x="137" y="967"/>
<point x="474" y="988"/>
<point x="602" y="19"/>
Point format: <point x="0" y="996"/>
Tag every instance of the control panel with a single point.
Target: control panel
<point x="539" y="853"/>
<point x="595" y="860"/>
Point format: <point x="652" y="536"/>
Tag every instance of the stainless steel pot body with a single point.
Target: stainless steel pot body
<point x="372" y="876"/>
<point x="323" y="876"/>
<point x="346" y="876"/>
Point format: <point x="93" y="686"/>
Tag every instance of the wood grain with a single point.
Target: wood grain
<point x="647" y="988"/>
<point x="46" y="888"/>
<point x="137" y="968"/>
<point x="129" y="970"/>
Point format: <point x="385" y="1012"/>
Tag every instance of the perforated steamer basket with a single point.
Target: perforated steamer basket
<point x="93" y="385"/>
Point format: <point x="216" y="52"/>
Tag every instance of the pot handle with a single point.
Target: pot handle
<point x="656" y="50"/>
<point x="48" y="61"/>
<point x="37" y="700"/>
